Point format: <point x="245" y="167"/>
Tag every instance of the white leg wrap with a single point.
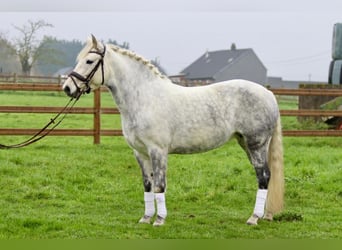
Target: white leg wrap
<point x="161" y="206"/>
<point x="149" y="204"/>
<point x="260" y="202"/>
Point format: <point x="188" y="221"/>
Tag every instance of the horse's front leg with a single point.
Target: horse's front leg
<point x="153" y="168"/>
<point x="159" y="166"/>
<point x="147" y="174"/>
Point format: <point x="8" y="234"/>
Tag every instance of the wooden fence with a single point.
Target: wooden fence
<point x="15" y="78"/>
<point x="97" y="110"/>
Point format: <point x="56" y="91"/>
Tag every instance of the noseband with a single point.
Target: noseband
<point x="87" y="79"/>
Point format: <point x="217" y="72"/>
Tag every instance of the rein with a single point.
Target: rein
<point x="40" y="134"/>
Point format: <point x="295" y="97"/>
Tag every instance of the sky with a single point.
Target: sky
<point x="292" y="38"/>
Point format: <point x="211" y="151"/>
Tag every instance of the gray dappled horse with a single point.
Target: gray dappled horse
<point x="161" y="118"/>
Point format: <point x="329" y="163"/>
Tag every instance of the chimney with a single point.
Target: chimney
<point x="233" y="46"/>
<point x="207" y="53"/>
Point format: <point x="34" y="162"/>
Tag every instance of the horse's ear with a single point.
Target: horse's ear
<point x="94" y="41"/>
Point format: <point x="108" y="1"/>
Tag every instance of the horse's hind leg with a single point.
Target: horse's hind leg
<point x="258" y="156"/>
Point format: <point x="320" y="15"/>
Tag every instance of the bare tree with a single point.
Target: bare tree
<point x="28" y="47"/>
<point x="7" y="62"/>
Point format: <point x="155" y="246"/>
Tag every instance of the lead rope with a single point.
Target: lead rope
<point x="39" y="135"/>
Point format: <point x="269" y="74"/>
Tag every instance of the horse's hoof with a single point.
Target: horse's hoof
<point x="253" y="220"/>
<point x="268" y="216"/>
<point x="159" y="221"/>
<point x="145" y="219"/>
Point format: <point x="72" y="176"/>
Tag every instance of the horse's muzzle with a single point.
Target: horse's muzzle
<point x="71" y="93"/>
<point x="75" y="93"/>
<point x="67" y="91"/>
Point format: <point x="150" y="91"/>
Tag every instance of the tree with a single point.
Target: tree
<point x="28" y="47"/>
<point x="8" y="62"/>
<point x="156" y="62"/>
<point x="62" y="55"/>
<point x="125" y="45"/>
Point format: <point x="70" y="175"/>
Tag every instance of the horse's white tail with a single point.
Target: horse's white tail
<point x="275" y="197"/>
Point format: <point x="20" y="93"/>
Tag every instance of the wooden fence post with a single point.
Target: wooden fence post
<point x="97" y="116"/>
<point x="59" y="79"/>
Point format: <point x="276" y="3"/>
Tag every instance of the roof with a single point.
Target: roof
<point x="211" y="63"/>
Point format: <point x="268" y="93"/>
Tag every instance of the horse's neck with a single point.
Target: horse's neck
<point x="132" y="82"/>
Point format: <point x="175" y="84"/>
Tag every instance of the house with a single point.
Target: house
<point x="221" y="65"/>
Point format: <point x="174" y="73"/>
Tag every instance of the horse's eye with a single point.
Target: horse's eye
<point x="89" y="61"/>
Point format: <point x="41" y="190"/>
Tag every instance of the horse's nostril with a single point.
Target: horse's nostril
<point x="67" y="90"/>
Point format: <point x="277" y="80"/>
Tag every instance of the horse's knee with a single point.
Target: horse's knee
<point x="160" y="187"/>
<point x="147" y="180"/>
<point x="147" y="185"/>
<point x="159" y="180"/>
<point x="147" y="172"/>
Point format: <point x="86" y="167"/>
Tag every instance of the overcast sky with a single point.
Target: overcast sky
<point x="292" y="38"/>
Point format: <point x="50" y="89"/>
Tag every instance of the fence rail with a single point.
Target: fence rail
<point x="14" y="78"/>
<point x="49" y="110"/>
<point x="31" y="86"/>
<point x="308" y="92"/>
<point x="97" y="110"/>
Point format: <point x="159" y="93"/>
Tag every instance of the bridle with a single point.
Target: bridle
<point x="86" y="79"/>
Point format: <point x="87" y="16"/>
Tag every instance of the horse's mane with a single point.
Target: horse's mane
<point x="138" y="58"/>
<point x="125" y="52"/>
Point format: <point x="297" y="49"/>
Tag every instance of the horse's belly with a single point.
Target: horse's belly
<point x="190" y="143"/>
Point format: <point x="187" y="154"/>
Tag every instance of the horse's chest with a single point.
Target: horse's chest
<point x="134" y="141"/>
<point x="131" y="134"/>
<point x="135" y="134"/>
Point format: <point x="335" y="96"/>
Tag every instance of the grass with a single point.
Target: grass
<point x="68" y="188"/>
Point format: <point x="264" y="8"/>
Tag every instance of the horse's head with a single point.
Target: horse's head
<point x="88" y="73"/>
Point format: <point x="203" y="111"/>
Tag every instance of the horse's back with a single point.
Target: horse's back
<point x="208" y="116"/>
<point x="255" y="107"/>
<point x="244" y="90"/>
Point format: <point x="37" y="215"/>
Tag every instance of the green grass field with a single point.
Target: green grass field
<point x="67" y="188"/>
